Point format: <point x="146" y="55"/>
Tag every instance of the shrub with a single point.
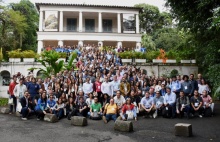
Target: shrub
<point x="3" y="101"/>
<point x="153" y="54"/>
<point x="62" y="54"/>
<point x="28" y="54"/>
<point x="14" y="53"/>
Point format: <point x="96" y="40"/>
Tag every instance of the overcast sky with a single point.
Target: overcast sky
<point x="158" y="3"/>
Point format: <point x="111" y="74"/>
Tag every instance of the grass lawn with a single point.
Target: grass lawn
<point x="3" y="101"/>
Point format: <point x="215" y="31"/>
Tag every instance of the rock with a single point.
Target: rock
<point x="5" y="110"/>
<point x="123" y="126"/>
<point x="79" y="121"/>
<point x="183" y="129"/>
<point x="50" y="118"/>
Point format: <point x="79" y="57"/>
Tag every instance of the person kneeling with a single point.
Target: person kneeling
<point x="26" y="106"/>
<point x="207" y="104"/>
<point x="95" y="110"/>
<point x="147" y="105"/>
<point x="111" y="111"/>
<point x="182" y="105"/>
<point x="128" y="111"/>
<point x="59" y="109"/>
<point x="196" y="104"/>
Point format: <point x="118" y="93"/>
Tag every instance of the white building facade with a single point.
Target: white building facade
<point x="79" y="24"/>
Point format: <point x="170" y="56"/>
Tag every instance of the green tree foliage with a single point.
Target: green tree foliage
<point x="202" y="19"/>
<point x="26" y="8"/>
<point x="147" y="42"/>
<point x="151" y="18"/>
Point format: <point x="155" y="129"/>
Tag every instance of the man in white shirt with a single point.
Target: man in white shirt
<point x="87" y="87"/>
<point x="106" y="87"/>
<point x="170" y="101"/>
<point x="115" y="84"/>
<point x="19" y="89"/>
<point x="119" y="100"/>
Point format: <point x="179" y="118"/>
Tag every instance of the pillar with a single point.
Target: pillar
<point x="80" y="43"/>
<point x="60" y="43"/>
<point x="100" y="43"/>
<point x="61" y="21"/>
<point x="100" y="22"/>
<point x="119" y="44"/>
<point x="137" y="24"/>
<point x="119" y="22"/>
<point x="80" y="21"/>
<point x="41" y="21"/>
<point x="39" y="46"/>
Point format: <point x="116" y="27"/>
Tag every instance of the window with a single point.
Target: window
<point x="90" y="25"/>
<point x="107" y="25"/>
<point x="71" y="24"/>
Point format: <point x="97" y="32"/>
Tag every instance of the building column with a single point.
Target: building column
<point x="61" y="21"/>
<point x="100" y="22"/>
<point x="138" y="44"/>
<point x="80" y="43"/>
<point x="137" y="24"/>
<point x="100" y="43"/>
<point x="60" y="43"/>
<point x="39" y="46"/>
<point x="119" y="22"/>
<point x="80" y="21"/>
<point x="119" y="44"/>
<point x="41" y="21"/>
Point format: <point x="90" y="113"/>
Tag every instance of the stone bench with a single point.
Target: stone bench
<point x="123" y="126"/>
<point x="52" y="118"/>
<point x="78" y="121"/>
<point x="183" y="129"/>
<point x="5" y="110"/>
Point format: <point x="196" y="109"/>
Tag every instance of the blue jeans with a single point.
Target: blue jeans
<point x="59" y="113"/>
<point x="24" y="112"/>
<point x="173" y="107"/>
<point x="111" y="116"/>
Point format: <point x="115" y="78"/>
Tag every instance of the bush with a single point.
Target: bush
<point x="153" y="54"/>
<point x="14" y="53"/>
<point x="28" y="54"/>
<point x="62" y="54"/>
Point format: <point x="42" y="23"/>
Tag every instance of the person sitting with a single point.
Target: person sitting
<point x="128" y="111"/>
<point x="90" y="101"/>
<point x="147" y="105"/>
<point x="26" y="106"/>
<point x="110" y="111"/>
<point x="95" y="110"/>
<point x="70" y="108"/>
<point x="182" y="105"/>
<point x="51" y="105"/>
<point x="196" y="104"/>
<point x="41" y="106"/>
<point x="81" y="108"/>
<point x="135" y="99"/>
<point x="119" y="100"/>
<point x="59" y="109"/>
<point x="170" y="103"/>
<point x="158" y="104"/>
<point x="207" y="103"/>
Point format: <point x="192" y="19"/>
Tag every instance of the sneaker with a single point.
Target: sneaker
<point x="200" y="116"/>
<point x="150" y="116"/>
<point x="23" y="118"/>
<point x="104" y="119"/>
<point x="155" y="114"/>
<point x="38" y="119"/>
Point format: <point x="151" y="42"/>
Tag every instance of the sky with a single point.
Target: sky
<point x="158" y="3"/>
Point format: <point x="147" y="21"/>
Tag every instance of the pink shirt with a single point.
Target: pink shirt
<point x="206" y="99"/>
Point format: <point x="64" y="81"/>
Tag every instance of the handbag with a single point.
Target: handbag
<point x="129" y="114"/>
<point x="10" y="101"/>
<point x="19" y="107"/>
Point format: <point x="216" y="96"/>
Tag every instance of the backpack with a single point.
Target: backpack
<point x="167" y="112"/>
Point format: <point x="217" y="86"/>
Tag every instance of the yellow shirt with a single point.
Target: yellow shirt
<point x="111" y="109"/>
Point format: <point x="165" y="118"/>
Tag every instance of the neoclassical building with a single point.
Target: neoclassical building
<point x="78" y="24"/>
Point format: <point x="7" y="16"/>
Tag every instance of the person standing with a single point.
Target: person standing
<point x="87" y="87"/>
<point x="115" y="85"/>
<point x="11" y="94"/>
<point x="175" y="86"/>
<point x="33" y="89"/>
<point x="125" y="88"/>
<point x="107" y="88"/>
<point x="187" y="86"/>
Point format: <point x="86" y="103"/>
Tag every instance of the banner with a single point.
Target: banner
<point x="51" y="21"/>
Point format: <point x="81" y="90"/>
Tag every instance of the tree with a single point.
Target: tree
<point x="147" y="42"/>
<point x="29" y="37"/>
<point x="151" y="18"/>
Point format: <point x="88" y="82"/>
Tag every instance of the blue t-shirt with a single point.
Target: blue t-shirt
<point x="51" y="103"/>
<point x="33" y="89"/>
<point x="41" y="105"/>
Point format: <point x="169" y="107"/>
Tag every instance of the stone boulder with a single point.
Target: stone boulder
<point x="50" y="118"/>
<point x="123" y="126"/>
<point x="5" y="110"/>
<point x="79" y="121"/>
<point x="183" y="129"/>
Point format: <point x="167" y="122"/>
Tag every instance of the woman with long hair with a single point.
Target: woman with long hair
<point x="128" y="111"/>
<point x="70" y="108"/>
<point x="59" y="109"/>
<point x="41" y="106"/>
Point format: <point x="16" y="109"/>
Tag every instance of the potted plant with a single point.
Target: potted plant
<point x="140" y="57"/>
<point x="28" y="55"/>
<point x="14" y="55"/>
<point x="126" y="57"/>
<point x="152" y="55"/>
<point x="171" y="56"/>
<point x="63" y="56"/>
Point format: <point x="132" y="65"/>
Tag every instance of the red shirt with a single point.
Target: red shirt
<point x="11" y="87"/>
<point x="97" y="86"/>
<point x="125" y="108"/>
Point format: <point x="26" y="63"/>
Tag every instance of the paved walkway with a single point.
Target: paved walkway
<point x="160" y="129"/>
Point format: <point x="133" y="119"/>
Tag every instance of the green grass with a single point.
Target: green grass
<point x="3" y="101"/>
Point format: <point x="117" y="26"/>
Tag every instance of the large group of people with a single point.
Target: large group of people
<point x="103" y="88"/>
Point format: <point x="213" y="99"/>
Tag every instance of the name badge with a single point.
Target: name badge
<point x="113" y="108"/>
<point x="185" y="87"/>
<point x="196" y="104"/>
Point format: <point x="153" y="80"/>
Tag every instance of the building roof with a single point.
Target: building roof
<point x="84" y="5"/>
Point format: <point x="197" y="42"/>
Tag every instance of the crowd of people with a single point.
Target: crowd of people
<point x="103" y="88"/>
